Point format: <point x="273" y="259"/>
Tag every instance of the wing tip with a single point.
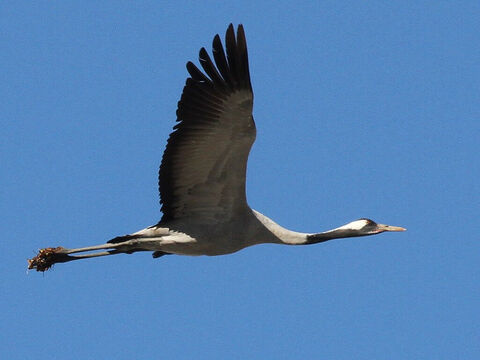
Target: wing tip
<point x="230" y="68"/>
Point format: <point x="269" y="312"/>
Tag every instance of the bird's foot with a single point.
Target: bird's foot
<point x="46" y="258"/>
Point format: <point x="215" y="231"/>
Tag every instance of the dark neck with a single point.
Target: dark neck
<point x="333" y="234"/>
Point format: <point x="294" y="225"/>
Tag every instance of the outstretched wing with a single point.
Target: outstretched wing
<point x="203" y="170"/>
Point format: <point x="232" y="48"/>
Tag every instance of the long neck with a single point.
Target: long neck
<point x="288" y="237"/>
<point x="332" y="234"/>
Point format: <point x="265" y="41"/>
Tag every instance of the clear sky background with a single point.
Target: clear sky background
<point x="363" y="109"/>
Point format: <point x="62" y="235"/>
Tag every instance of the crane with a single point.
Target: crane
<point x="203" y="171"/>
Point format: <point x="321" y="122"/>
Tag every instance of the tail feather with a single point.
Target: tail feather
<point x="123" y="238"/>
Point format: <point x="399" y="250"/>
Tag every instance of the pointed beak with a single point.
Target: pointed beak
<point x="382" y="227"/>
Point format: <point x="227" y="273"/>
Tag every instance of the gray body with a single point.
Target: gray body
<point x="195" y="238"/>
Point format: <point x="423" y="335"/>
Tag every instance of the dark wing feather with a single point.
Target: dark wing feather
<point x="203" y="170"/>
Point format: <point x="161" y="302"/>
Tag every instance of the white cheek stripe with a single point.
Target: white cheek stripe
<point x="354" y="225"/>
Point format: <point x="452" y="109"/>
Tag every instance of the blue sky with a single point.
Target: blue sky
<point x="363" y="109"/>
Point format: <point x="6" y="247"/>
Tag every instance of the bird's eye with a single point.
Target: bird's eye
<point x="370" y="222"/>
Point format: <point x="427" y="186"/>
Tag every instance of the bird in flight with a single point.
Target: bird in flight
<point x="203" y="171"/>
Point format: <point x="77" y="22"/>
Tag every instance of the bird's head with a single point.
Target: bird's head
<point x="368" y="227"/>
